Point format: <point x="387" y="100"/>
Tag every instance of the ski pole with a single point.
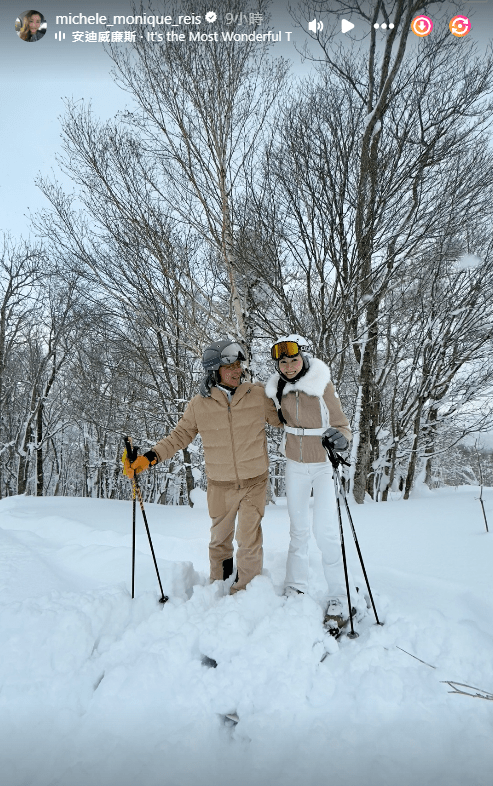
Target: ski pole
<point x="134" y="506"/>
<point x="335" y="459"/>
<point x="164" y="597"/>
<point x="132" y="455"/>
<point x="361" y="560"/>
<point x="353" y="634"/>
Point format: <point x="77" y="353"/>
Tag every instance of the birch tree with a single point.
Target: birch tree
<point x="400" y="116"/>
<point x="179" y="157"/>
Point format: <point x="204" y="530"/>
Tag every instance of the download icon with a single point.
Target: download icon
<point x="422" y="26"/>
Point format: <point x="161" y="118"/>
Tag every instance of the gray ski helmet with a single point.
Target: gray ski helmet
<point x="222" y="353"/>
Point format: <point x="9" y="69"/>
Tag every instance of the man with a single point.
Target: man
<point x="230" y="416"/>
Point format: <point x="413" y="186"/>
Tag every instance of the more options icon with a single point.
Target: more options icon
<point x="422" y="26"/>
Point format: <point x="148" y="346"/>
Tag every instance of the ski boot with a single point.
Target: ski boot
<point x="336" y="618"/>
<point x="292" y="592"/>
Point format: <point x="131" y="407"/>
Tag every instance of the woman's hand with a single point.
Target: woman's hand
<point x="335" y="439"/>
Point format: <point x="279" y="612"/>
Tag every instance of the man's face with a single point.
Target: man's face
<point x="34" y="24"/>
<point x="231" y="375"/>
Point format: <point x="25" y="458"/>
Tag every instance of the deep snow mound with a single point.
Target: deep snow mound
<point x="102" y="689"/>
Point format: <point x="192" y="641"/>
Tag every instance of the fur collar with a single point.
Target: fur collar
<point x="313" y="383"/>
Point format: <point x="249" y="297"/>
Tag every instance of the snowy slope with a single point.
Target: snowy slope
<point x="100" y="690"/>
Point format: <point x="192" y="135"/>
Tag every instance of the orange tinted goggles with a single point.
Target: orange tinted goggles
<point x="289" y="348"/>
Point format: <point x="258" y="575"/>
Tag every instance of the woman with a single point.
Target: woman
<point x="309" y="406"/>
<point x="30" y="27"/>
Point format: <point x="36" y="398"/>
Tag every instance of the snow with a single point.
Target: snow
<point x="368" y="118"/>
<point x="467" y="261"/>
<point x="100" y="690"/>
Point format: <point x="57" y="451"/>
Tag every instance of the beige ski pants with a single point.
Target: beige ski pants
<point x="225" y="502"/>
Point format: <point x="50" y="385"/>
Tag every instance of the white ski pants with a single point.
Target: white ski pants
<point x="300" y="479"/>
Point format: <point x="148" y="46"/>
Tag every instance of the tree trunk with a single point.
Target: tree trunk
<point x="57" y="469"/>
<point x="430" y="447"/>
<point x="366" y="427"/>
<point x="393" y="454"/>
<point x="414" y="452"/>
<point x="39" y="451"/>
<point x="23" y="469"/>
<point x="22" y="472"/>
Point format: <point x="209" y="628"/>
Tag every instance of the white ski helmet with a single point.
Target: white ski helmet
<point x="302" y="347"/>
<point x="294" y="338"/>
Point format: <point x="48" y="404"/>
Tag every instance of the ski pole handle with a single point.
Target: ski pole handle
<point x="131" y="451"/>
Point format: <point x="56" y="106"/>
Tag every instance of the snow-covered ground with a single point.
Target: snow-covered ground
<point x="100" y="690"/>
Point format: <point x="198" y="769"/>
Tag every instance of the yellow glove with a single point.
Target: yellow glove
<point x="126" y="465"/>
<point x="141" y="463"/>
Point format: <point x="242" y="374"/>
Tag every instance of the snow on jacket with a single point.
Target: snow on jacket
<point x="300" y="406"/>
<point x="233" y="433"/>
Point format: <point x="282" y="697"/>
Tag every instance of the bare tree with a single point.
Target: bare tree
<point x="22" y="267"/>
<point x="179" y="158"/>
<point x="434" y="362"/>
<point x="48" y="342"/>
<point x="370" y="165"/>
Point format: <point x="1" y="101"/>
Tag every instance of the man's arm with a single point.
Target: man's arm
<point x="183" y="433"/>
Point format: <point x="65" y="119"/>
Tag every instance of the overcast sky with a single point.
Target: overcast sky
<point x="36" y="77"/>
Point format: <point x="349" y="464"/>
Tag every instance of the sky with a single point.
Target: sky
<point x="35" y="79"/>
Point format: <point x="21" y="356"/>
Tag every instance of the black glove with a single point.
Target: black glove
<point x="335" y="440"/>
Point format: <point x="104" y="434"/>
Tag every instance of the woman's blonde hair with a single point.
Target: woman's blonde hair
<point x="25" y="33"/>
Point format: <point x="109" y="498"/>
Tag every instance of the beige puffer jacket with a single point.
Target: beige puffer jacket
<point x="301" y="408"/>
<point x="233" y="433"/>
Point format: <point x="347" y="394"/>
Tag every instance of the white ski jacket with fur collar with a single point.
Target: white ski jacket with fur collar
<point x="302" y="408"/>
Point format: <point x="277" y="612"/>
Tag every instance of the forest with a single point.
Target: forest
<point x="236" y="198"/>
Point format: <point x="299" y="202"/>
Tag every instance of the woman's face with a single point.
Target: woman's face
<point x="34" y="23"/>
<point x="290" y="367"/>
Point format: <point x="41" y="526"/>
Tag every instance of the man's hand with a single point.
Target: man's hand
<point x="335" y="439"/>
<point x="126" y="465"/>
<point x="141" y="463"/>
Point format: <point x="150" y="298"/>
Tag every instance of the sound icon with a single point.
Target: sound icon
<point x="315" y="26"/>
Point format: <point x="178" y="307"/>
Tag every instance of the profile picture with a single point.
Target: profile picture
<point x="30" y="26"/>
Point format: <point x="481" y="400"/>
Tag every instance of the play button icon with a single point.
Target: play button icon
<point x="346" y="25"/>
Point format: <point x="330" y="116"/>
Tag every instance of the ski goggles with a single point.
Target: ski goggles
<point x="282" y="348"/>
<point x="231" y="354"/>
